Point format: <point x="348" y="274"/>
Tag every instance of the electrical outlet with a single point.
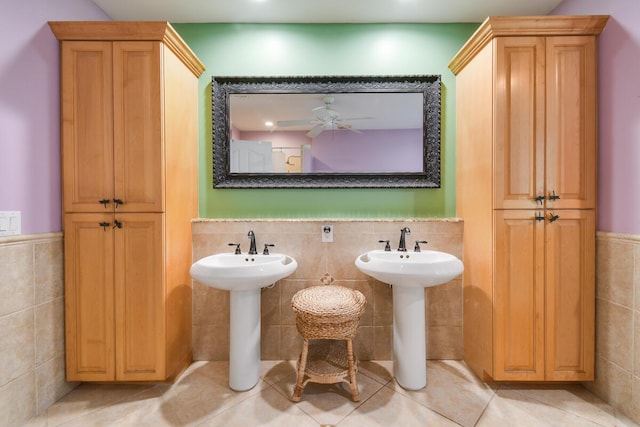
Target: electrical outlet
<point x="327" y="233"/>
<point x="10" y="224"/>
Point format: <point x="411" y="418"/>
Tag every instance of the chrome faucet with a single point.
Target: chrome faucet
<point x="402" y="246"/>
<point x="252" y="243"/>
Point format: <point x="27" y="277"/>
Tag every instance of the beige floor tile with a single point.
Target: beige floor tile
<point x="268" y="408"/>
<point x="574" y="399"/>
<point x="142" y="410"/>
<point x="274" y="371"/>
<point x="217" y="371"/>
<point x="379" y="370"/>
<point x="202" y="393"/>
<point x="387" y="408"/>
<point x="40" y="421"/>
<point x="512" y="408"/>
<point x="329" y="403"/>
<point x="452" y="391"/>
<point x="89" y="398"/>
<point x="453" y="396"/>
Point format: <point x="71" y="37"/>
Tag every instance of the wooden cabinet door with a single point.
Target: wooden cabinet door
<point x="87" y="125"/>
<point x="139" y="295"/>
<point x="519" y="122"/>
<point x="138" y="145"/>
<point x="570" y="296"/>
<point x="89" y="297"/>
<point x="571" y="122"/>
<point x="518" y="296"/>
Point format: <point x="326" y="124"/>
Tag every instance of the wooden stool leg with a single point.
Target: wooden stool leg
<point x="302" y="365"/>
<point x="353" y="385"/>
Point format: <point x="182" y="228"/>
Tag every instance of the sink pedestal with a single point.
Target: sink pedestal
<point x="244" y="347"/>
<point x="243" y="276"/>
<point x="409" y="273"/>
<point x="409" y="344"/>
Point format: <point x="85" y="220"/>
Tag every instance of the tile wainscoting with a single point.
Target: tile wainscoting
<point x="618" y="322"/>
<point x="32" y="374"/>
<point x="32" y="304"/>
<point x="302" y="240"/>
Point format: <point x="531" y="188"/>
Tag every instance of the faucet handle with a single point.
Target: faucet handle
<point x="417" y="247"/>
<point x="237" y="245"/>
<point x="266" y="248"/>
<point x="387" y="246"/>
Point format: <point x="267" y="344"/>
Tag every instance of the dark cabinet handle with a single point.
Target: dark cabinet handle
<point x="553" y="196"/>
<point x="553" y="217"/>
<point x="117" y="224"/>
<point x="104" y="225"/>
<point x="539" y="217"/>
<point x="104" y="202"/>
<point x="118" y="202"/>
<point x="539" y="199"/>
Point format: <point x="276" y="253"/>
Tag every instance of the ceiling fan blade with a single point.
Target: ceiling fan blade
<point x="285" y="123"/>
<point x="315" y="131"/>
<point x="347" y="127"/>
<point x="353" y="130"/>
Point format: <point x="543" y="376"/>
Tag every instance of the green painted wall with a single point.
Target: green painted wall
<point x="326" y="49"/>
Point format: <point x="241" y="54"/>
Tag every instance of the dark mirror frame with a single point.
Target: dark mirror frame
<point x="223" y="87"/>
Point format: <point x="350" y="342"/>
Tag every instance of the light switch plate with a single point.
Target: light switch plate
<point x="10" y="224"/>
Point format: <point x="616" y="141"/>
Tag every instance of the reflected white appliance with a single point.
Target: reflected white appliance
<point x="250" y="156"/>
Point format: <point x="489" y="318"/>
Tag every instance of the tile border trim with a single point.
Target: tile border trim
<point x="30" y="238"/>
<point x="619" y="237"/>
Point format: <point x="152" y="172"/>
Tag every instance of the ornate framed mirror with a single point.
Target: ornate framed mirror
<point x="326" y="132"/>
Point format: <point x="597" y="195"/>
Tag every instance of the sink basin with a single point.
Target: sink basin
<point x="232" y="272"/>
<point x="410" y="269"/>
<point x="243" y="275"/>
<point x="409" y="273"/>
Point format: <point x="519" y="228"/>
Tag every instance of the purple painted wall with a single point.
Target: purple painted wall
<point x="278" y="139"/>
<point x="404" y="154"/>
<point x="331" y="153"/>
<point x="29" y="108"/>
<point x="619" y="111"/>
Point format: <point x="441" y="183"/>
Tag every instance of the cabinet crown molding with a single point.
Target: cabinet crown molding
<point x="509" y="26"/>
<point x="129" y="31"/>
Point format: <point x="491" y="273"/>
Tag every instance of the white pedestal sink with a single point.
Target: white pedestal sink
<point x="243" y="275"/>
<point x="409" y="273"/>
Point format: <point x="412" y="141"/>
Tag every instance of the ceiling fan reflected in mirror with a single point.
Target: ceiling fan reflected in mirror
<point x="325" y="118"/>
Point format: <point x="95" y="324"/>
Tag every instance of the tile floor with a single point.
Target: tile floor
<point x="453" y="396"/>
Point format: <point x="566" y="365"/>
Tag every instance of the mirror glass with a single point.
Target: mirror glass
<point x="326" y="132"/>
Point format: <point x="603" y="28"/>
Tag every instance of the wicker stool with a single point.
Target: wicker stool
<point x="327" y="317"/>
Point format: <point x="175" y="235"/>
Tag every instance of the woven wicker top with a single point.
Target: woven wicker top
<point x="328" y="301"/>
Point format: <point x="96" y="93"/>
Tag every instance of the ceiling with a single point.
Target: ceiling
<point x="322" y="11"/>
<point x="357" y="110"/>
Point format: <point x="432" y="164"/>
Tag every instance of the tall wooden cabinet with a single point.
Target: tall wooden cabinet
<point x="129" y="171"/>
<point x="526" y="190"/>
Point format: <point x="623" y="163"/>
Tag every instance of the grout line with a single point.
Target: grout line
<point x="37" y="392"/>
<point x="362" y="402"/>
<point x="495" y="393"/>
